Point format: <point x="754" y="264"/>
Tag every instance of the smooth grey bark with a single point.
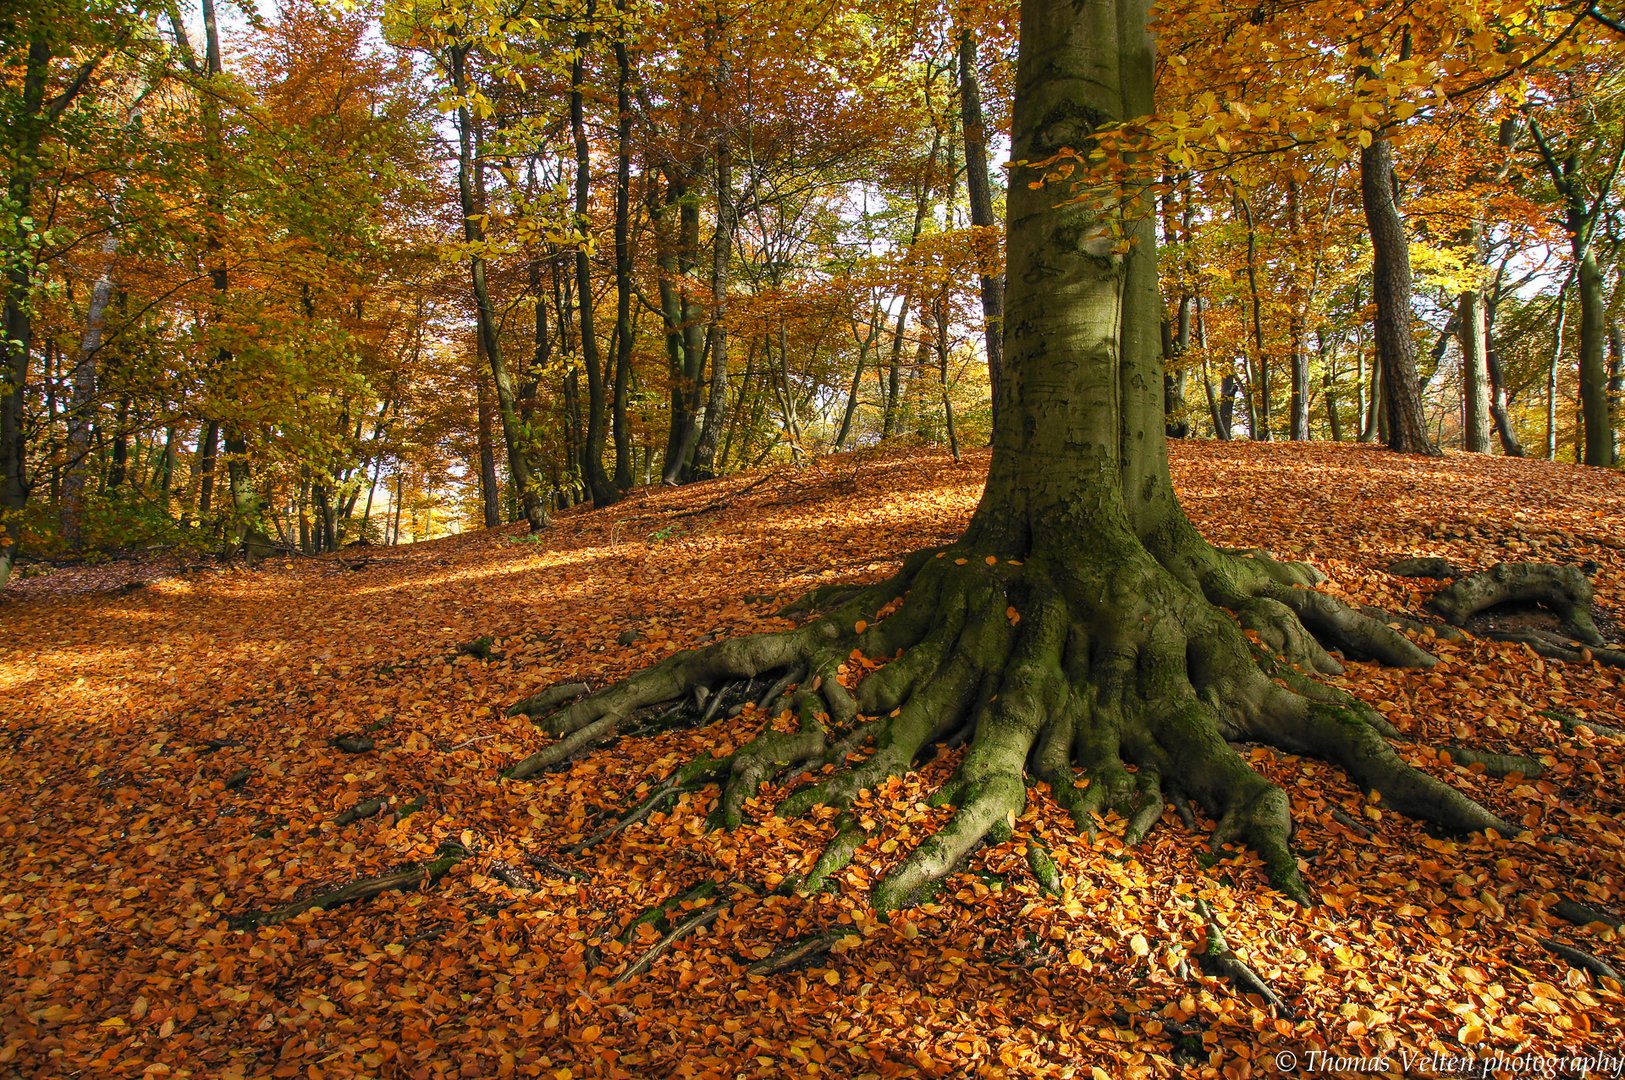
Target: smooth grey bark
<point x="1401" y="414"/>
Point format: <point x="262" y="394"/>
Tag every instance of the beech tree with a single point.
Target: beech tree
<point x="1080" y="622"/>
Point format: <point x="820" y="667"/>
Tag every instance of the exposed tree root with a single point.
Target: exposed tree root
<point x="414" y="876"/>
<point x="1423" y="566"/>
<point x="1496" y="765"/>
<point x="1440" y="630"/>
<point x="1219" y="960"/>
<point x="1566" y="590"/>
<point x="1570" y="724"/>
<point x="1581" y="959"/>
<point x="362" y="810"/>
<point x="1119" y="670"/>
<point x="1352" y="824"/>
<point x="1553" y="647"/>
<point x="548" y="700"/>
<point x="1583" y="915"/>
<point x="797" y="954"/>
<point x="678" y="929"/>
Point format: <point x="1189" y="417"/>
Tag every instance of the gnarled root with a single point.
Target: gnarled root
<point x="1115" y="681"/>
<point x="1566" y="590"/>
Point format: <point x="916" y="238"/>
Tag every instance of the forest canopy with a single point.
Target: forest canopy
<point x="315" y="274"/>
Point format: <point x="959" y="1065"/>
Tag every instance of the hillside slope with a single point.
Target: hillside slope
<point x="130" y="715"/>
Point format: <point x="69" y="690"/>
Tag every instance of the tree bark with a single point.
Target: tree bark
<point x="603" y="492"/>
<point x="1500" y="399"/>
<point x="17" y="322"/>
<point x="979" y="186"/>
<point x="1391" y="289"/>
<point x="1258" y="379"/>
<point x="619" y="424"/>
<point x="471" y="199"/>
<point x="1599" y="427"/>
<point x="1471" y="331"/>
<point x="716" y="401"/>
<point x="490" y="490"/>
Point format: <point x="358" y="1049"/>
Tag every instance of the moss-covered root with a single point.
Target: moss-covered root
<point x="418" y="875"/>
<point x="702" y="676"/>
<point x="1279" y="601"/>
<point x="1218" y="959"/>
<point x="1049" y="669"/>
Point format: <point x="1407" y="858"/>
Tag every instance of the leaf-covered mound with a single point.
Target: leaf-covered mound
<point x="187" y="756"/>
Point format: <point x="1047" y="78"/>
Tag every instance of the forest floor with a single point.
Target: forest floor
<point x="168" y="765"/>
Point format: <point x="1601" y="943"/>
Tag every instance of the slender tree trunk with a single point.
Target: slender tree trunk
<point x="979" y="186"/>
<point x="1616" y="381"/>
<point x="942" y="342"/>
<point x="876" y="319"/>
<point x="1500" y="400"/>
<point x="1599" y="428"/>
<point x="603" y="492"/>
<point x="1471" y="330"/>
<point x="1558" y="324"/>
<point x="1391" y="274"/>
<point x="620" y="426"/>
<point x="82" y="399"/>
<point x="716" y="402"/>
<point x="892" y="418"/>
<point x="471" y="198"/>
<point x="1258" y="407"/>
<point x="490" y="491"/>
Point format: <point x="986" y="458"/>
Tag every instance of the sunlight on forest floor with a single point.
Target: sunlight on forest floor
<point x="134" y="837"/>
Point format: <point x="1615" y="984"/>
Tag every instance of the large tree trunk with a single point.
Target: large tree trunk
<point x="1079" y="621"/>
<point x="1391" y="289"/>
<point x="16" y="322"/>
